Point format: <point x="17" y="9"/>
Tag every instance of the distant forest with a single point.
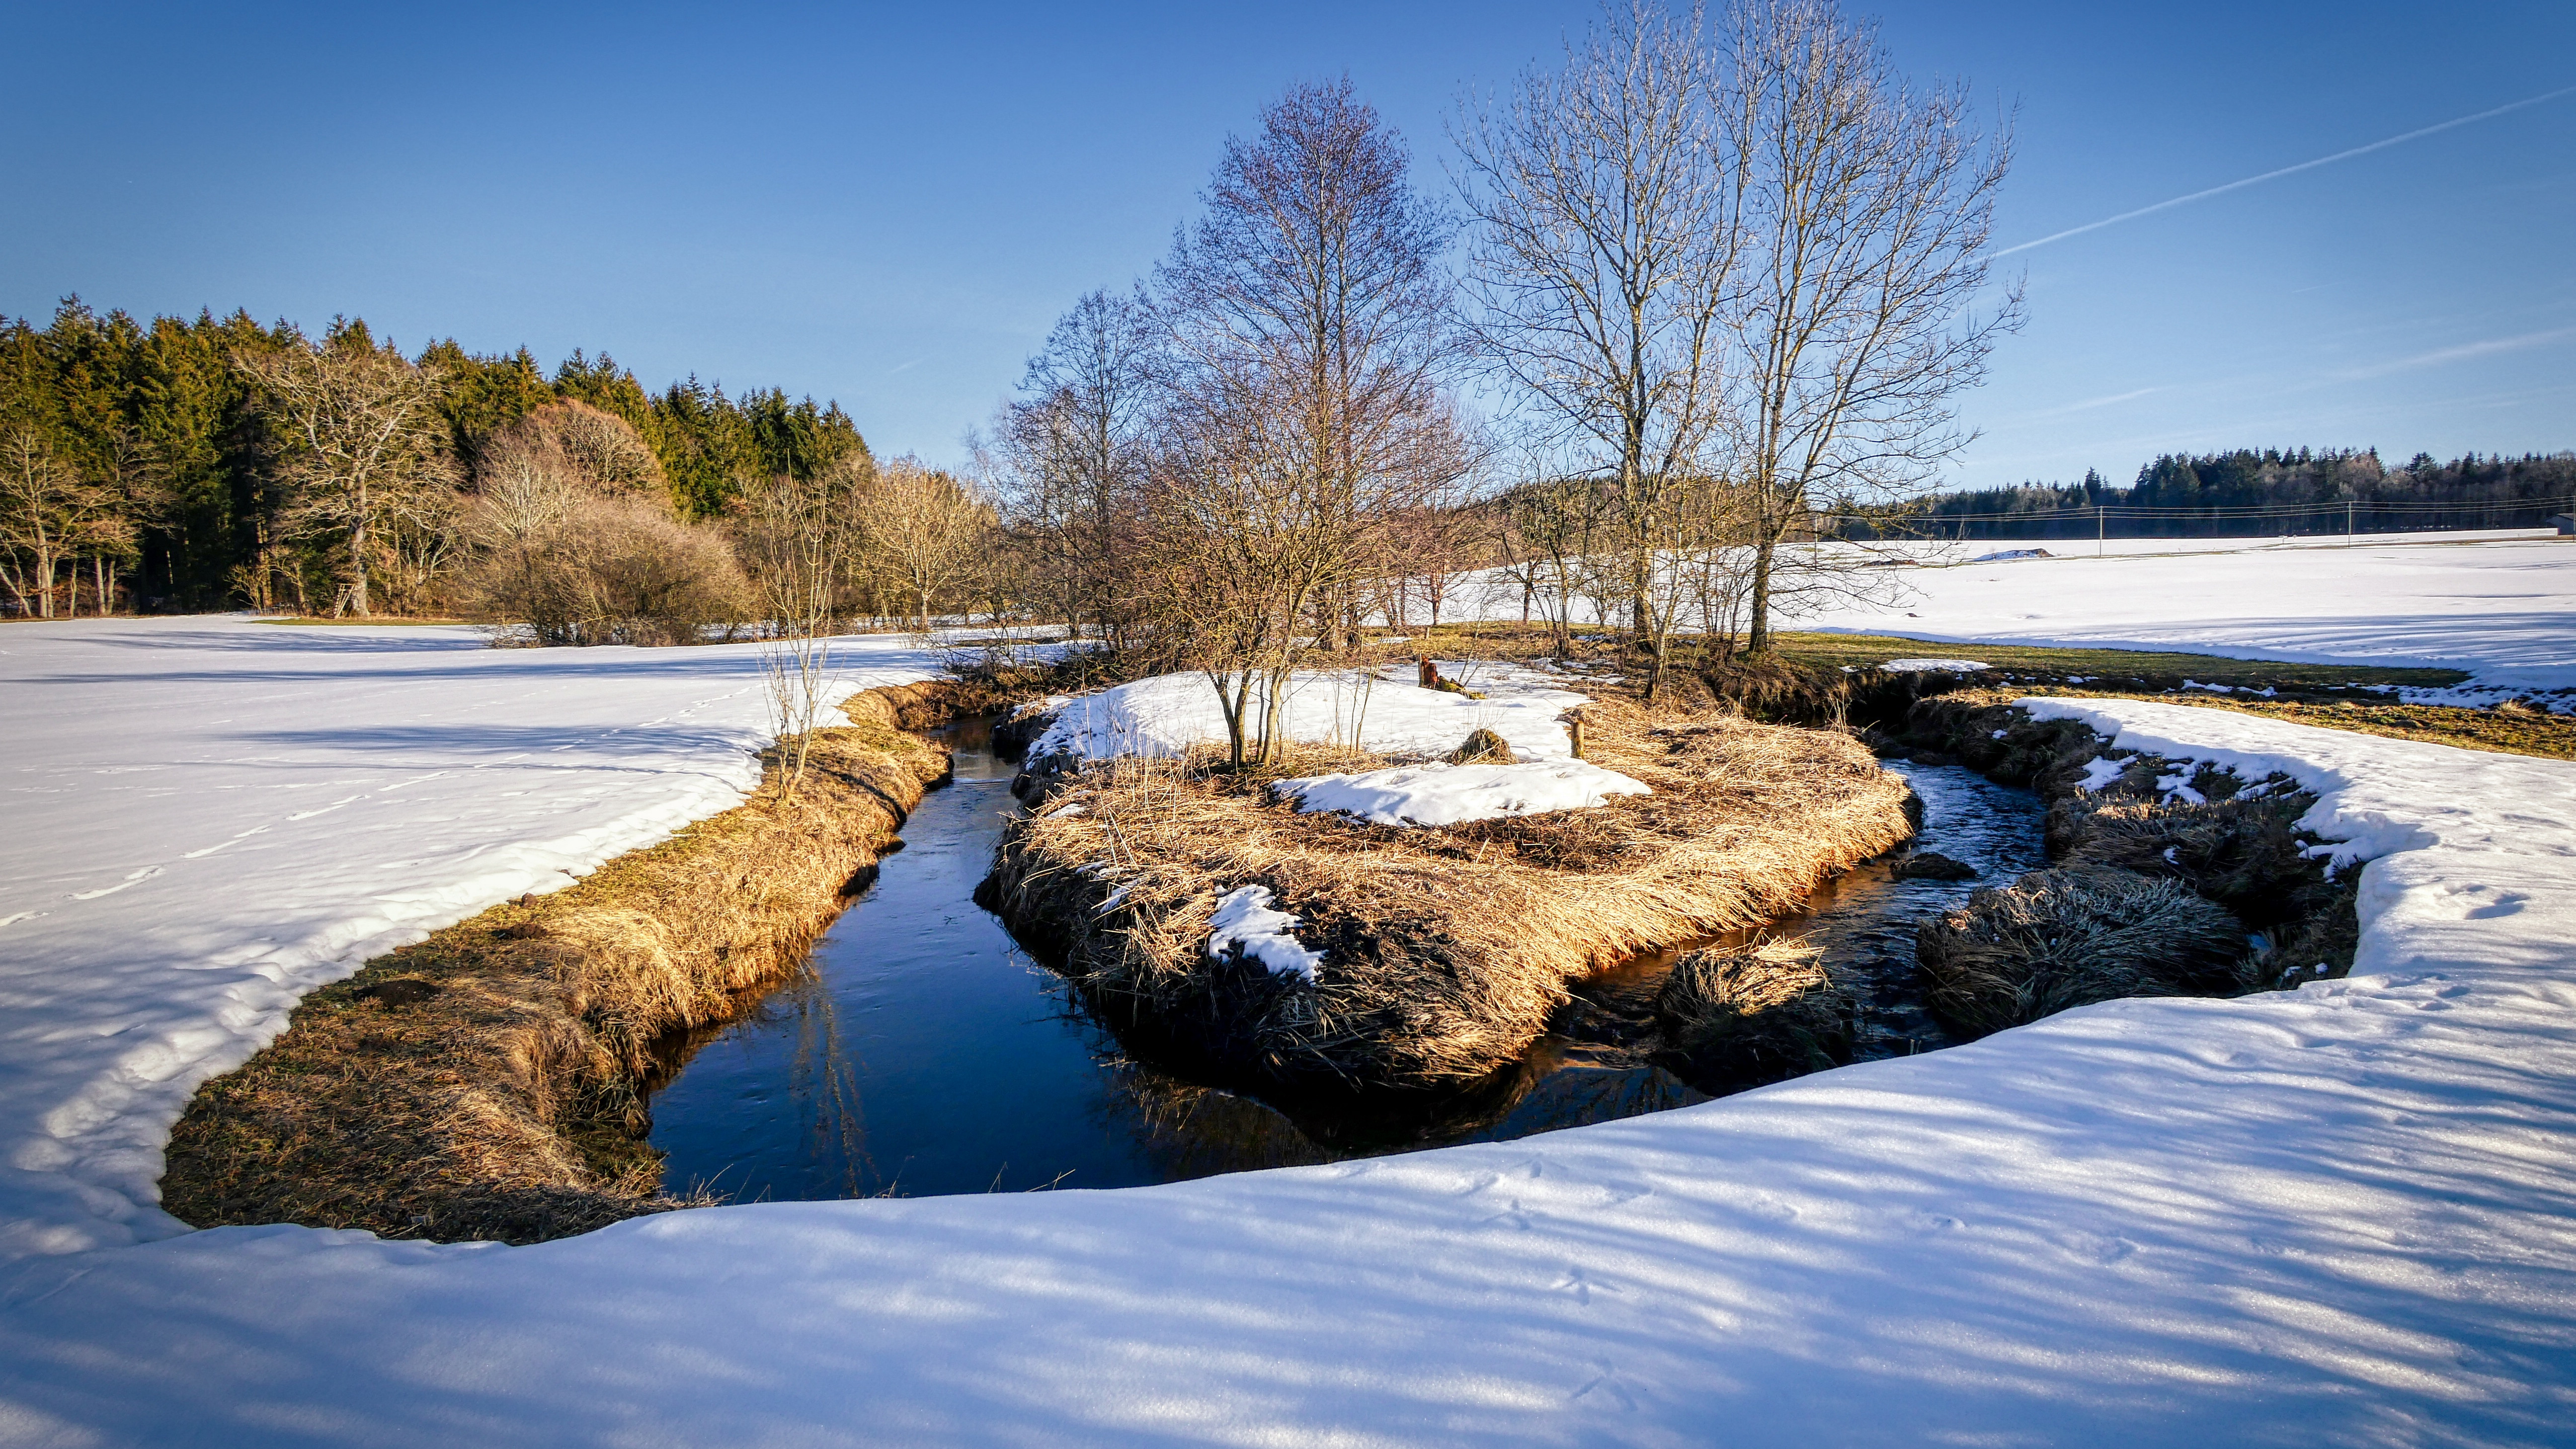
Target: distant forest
<point x="2251" y="493"/>
<point x="163" y="425"/>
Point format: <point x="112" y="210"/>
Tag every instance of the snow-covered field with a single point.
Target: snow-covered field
<point x="2500" y="606"/>
<point x="2505" y="611"/>
<point x="2345" y="1214"/>
<point x="207" y="818"/>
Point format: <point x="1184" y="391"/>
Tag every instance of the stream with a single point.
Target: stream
<point x="921" y="1052"/>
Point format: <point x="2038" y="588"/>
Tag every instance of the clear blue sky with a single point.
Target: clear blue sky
<point x="889" y="204"/>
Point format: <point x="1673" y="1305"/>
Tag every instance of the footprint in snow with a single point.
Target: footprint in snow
<point x="1605" y="1383"/>
<point x="136" y="879"/>
<point x="1581" y="1286"/>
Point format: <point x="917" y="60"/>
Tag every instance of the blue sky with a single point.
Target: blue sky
<point x="889" y="204"/>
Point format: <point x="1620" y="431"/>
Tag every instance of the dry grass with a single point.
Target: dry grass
<point x="2240" y="853"/>
<point x="485" y="1083"/>
<point x="1754" y="1014"/>
<point x="1445" y="949"/>
<point x="2063" y="938"/>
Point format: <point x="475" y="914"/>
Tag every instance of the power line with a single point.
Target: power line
<point x="2088" y="512"/>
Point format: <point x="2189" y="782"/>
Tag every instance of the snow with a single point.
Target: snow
<point x="2499" y="605"/>
<point x="1934" y="666"/>
<point x="1166" y="714"/>
<point x="2335" y="1215"/>
<point x="2503" y="610"/>
<point x="211" y="817"/>
<point x="1443" y="794"/>
<point x="1244" y="918"/>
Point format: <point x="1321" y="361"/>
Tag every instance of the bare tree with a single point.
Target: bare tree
<point x="363" y="431"/>
<point x="46" y="510"/>
<point x="581" y="558"/>
<point x="798" y="542"/>
<point x="1309" y="322"/>
<point x="925" y="528"/>
<point x="1071" y="450"/>
<point x="1869" y="205"/>
<point x="1609" y="238"/>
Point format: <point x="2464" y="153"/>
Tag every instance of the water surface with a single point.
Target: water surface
<point x="922" y="1052"/>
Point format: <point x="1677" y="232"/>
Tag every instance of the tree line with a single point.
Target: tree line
<point x="188" y="465"/>
<point x="2259" y="492"/>
<point x="1714" y="268"/>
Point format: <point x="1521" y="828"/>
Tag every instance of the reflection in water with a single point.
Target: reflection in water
<point x="921" y="1052"/>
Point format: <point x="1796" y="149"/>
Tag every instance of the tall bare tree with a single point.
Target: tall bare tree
<point x="1869" y="206"/>
<point x="1608" y="243"/>
<point x="362" y="429"/>
<point x="926" y="530"/>
<point x="1310" y="324"/>
<point x="1072" y="450"/>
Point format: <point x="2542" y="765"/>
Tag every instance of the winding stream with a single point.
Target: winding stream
<point x="921" y="1052"/>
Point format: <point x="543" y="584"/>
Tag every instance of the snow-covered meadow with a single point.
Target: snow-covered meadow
<point x="2336" y="1215"/>
<point x="208" y="818"/>
<point x="2501" y="607"/>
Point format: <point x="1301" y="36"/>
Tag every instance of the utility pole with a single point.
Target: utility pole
<point x="2347" y="523"/>
<point x="2101" y="530"/>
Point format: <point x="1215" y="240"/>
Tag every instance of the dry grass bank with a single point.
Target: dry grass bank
<point x="2155" y="895"/>
<point x="485" y="1082"/>
<point x="1446" y="949"/>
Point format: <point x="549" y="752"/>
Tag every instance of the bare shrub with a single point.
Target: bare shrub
<point x="580" y="567"/>
<point x="2056" y="939"/>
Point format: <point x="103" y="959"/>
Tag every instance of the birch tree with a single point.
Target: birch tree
<point x="45" y="511"/>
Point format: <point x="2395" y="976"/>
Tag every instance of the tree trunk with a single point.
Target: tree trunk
<point x="358" y="568"/>
<point x="1758" y="636"/>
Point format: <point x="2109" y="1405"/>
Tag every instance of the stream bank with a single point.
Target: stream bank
<point x="487" y="1083"/>
<point x="923" y="1051"/>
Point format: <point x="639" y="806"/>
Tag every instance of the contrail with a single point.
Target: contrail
<point x="2284" y="171"/>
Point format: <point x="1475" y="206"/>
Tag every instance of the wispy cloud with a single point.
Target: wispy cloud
<point x="2461" y="353"/>
<point x="909" y="366"/>
<point x="2285" y="171"/>
<point x="2090" y="403"/>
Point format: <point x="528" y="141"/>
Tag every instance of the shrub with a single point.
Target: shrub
<point x="611" y="570"/>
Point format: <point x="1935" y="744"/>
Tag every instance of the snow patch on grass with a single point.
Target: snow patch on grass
<point x="1167" y="714"/>
<point x="1244" y="918"/>
<point x="1441" y="794"/>
<point x="1934" y="666"/>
